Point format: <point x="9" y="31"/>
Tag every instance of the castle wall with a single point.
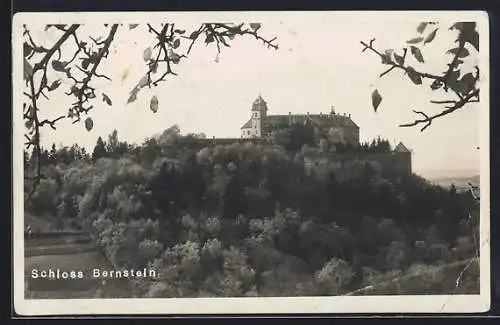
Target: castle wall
<point x="351" y="135"/>
<point x="395" y="162"/>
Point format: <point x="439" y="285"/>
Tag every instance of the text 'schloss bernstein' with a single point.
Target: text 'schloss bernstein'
<point x="58" y="274"/>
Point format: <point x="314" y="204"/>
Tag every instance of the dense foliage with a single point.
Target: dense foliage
<point x="250" y="219"/>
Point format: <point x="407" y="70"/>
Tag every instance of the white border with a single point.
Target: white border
<point x="342" y="304"/>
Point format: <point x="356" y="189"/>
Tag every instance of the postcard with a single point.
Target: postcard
<point x="251" y="162"/>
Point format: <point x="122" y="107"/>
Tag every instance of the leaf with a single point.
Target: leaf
<point x="386" y="59"/>
<point x="153" y="105"/>
<point x="89" y="124"/>
<point x="209" y="39"/>
<point x="143" y="82"/>
<point x="179" y="31"/>
<point x="467" y="81"/>
<point x="147" y="54"/>
<point x="431" y="36"/>
<point x="456" y="63"/>
<point x="55" y="85"/>
<point x="194" y="35"/>
<point x="376" y="99"/>
<point x="414" y="76"/>
<point x="85" y="63"/>
<point x="106" y="99"/>
<point x="27" y="49"/>
<point x="471" y="37"/>
<point x="28" y="70"/>
<point x="452" y="81"/>
<point x="415" y="40"/>
<point x="436" y="84"/>
<point x="58" y="66"/>
<point x="462" y="54"/>
<point x="453" y="76"/>
<point x="421" y="27"/>
<point x="132" y="26"/>
<point x="177" y="43"/>
<point x="28" y="124"/>
<point x="399" y="59"/>
<point x="255" y="26"/>
<point x="417" y="54"/>
<point x="459" y="26"/>
<point x="133" y="96"/>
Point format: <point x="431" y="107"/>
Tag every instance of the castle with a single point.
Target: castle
<point x="336" y="127"/>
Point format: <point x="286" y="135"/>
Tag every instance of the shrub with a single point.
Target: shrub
<point x="332" y="277"/>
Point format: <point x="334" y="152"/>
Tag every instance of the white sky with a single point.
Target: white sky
<point x="319" y="64"/>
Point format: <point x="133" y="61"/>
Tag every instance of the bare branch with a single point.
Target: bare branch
<point x="427" y="120"/>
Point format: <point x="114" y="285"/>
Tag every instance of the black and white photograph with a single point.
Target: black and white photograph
<point x="251" y="162"/>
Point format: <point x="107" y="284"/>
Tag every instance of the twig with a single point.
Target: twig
<point x="428" y="119"/>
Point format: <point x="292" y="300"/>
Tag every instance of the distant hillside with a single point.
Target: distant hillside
<point x="458" y="181"/>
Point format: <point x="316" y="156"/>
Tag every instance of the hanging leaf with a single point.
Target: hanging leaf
<point x="417" y="54"/>
<point x="27" y="49"/>
<point x="421" y="27"/>
<point x="177" y="43"/>
<point x="106" y="99"/>
<point x="146" y="55"/>
<point x="132" y="26"/>
<point x="431" y="36"/>
<point x="461" y="52"/>
<point x="456" y="26"/>
<point x="414" y="76"/>
<point x="54" y="85"/>
<point x="376" y="99"/>
<point x="153" y="105"/>
<point x="399" y="59"/>
<point x="436" y="84"/>
<point x="89" y="124"/>
<point x="415" y="40"/>
<point x="174" y="57"/>
<point x="193" y="35"/>
<point x="456" y="64"/>
<point x="255" y="26"/>
<point x="58" y="66"/>
<point x="471" y="37"/>
<point x="132" y="96"/>
<point x="467" y="82"/>
<point x="452" y="76"/>
<point x="143" y="82"/>
<point x="28" y="70"/>
<point x="85" y="63"/>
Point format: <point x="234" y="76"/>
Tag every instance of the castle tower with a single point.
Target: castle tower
<point x="259" y="113"/>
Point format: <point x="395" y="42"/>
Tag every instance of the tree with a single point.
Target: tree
<point x="99" y="149"/>
<point x="45" y="68"/>
<point x="455" y="79"/>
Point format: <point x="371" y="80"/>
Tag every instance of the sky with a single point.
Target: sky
<point x="319" y="64"/>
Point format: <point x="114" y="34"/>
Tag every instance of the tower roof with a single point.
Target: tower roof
<point x="259" y="104"/>
<point x="401" y="148"/>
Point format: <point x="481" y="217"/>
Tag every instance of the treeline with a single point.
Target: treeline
<point x="248" y="219"/>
